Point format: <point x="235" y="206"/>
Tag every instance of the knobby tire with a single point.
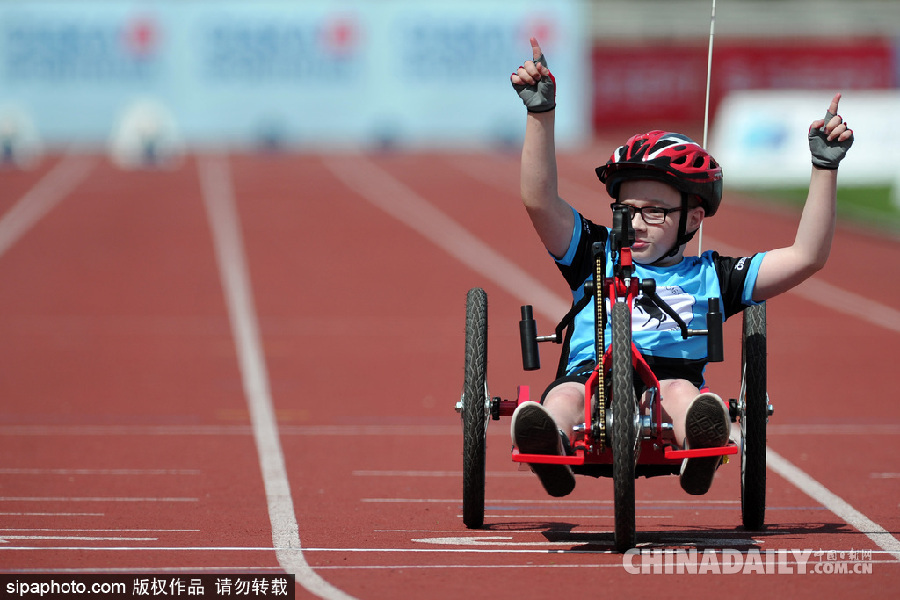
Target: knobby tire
<point x="754" y="415"/>
<point x="623" y="431"/>
<point x="475" y="409"/>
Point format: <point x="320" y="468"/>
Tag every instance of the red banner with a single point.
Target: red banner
<point x="663" y="85"/>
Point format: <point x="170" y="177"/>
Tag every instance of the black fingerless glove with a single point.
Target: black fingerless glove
<point x="540" y="97"/>
<point x="827" y="154"/>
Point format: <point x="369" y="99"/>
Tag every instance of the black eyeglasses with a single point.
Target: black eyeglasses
<point x="652" y="215"/>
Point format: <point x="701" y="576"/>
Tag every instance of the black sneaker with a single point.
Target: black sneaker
<point x="534" y="432"/>
<point x="708" y="426"/>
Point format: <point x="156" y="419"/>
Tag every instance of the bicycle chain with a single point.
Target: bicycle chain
<point x="598" y="413"/>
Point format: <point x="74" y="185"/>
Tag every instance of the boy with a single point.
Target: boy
<point x="669" y="184"/>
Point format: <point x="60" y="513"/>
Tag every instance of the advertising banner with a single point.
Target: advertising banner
<point x="760" y="137"/>
<point x="657" y="84"/>
<point x="313" y="74"/>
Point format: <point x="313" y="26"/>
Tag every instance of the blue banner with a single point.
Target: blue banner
<point x="315" y="74"/>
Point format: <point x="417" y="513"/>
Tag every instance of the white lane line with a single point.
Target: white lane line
<point x="506" y="541"/>
<point x="833" y="429"/>
<point x="529" y="565"/>
<point x="218" y="196"/>
<point x="704" y="542"/>
<point x="128" y="430"/>
<point x="825" y="294"/>
<point x="238" y="430"/>
<point x="47" y="193"/>
<point x="262" y="549"/>
<point x="818" y="492"/>
<point x="553" y="502"/>
<point x="392" y="196"/>
<point x="399" y="201"/>
<point x="91" y="499"/>
<point x="267" y="549"/>
<point x="51" y="514"/>
<point x="386" y="430"/>
<point x="99" y="471"/>
<point x="828" y="295"/>
<point x="495" y="540"/>
<point x="430" y="474"/>
<point x="554" y="515"/>
<point x="58" y="530"/>
<point x="75" y="538"/>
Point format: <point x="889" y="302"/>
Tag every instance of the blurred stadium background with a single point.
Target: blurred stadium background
<point x="151" y="79"/>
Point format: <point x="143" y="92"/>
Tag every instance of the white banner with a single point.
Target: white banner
<point x="760" y="137"/>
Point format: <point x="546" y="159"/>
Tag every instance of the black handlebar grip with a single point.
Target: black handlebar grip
<point x="531" y="358"/>
<point x="714" y="345"/>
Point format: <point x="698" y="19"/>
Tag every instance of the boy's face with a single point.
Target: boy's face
<point x="652" y="241"/>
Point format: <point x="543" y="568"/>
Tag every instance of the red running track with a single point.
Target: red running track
<point x="136" y="403"/>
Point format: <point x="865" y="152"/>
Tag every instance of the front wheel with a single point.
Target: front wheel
<point x="624" y="428"/>
<point x="753" y="414"/>
<point x="475" y="409"/>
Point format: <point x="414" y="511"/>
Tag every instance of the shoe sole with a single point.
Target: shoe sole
<point x="536" y="433"/>
<point x="706" y="427"/>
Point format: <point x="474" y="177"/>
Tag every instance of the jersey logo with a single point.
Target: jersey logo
<point x="647" y="316"/>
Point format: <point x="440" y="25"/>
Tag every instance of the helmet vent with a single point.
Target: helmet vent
<point x="671" y="158"/>
<point x="638" y="146"/>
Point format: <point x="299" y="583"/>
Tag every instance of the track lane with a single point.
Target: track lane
<point x="18" y="182"/>
<point x="801" y="516"/>
<point x="117" y="364"/>
<point x="345" y="294"/>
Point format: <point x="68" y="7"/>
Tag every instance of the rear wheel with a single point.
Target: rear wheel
<point x="624" y="428"/>
<point x="475" y="409"/>
<point x="753" y="415"/>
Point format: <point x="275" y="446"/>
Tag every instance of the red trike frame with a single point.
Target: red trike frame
<point x="655" y="448"/>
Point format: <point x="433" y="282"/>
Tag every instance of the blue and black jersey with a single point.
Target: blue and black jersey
<point x="686" y="287"/>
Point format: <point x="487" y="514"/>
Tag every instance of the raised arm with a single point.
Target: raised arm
<point x="785" y="268"/>
<point x="551" y="215"/>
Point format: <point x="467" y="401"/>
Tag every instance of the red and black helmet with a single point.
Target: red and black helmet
<point x="671" y="158"/>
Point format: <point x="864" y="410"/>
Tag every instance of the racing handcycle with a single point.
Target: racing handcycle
<point x="618" y="438"/>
